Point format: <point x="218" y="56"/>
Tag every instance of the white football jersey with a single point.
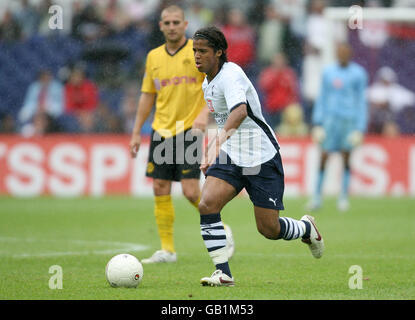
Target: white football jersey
<point x="254" y="142"/>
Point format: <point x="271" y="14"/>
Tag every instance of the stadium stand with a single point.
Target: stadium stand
<point x="114" y="53"/>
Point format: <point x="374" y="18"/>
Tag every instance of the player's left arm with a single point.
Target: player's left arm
<point x="318" y="133"/>
<point x="362" y="105"/>
<point x="236" y="117"/>
<point x="236" y="101"/>
<point x="356" y="137"/>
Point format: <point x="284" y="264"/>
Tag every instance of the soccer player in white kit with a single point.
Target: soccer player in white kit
<point x="244" y="154"/>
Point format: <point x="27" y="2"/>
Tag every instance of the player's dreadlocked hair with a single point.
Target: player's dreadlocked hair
<point x="216" y="40"/>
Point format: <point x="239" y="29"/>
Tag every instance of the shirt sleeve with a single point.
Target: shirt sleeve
<point x="321" y="102"/>
<point x="234" y="91"/>
<point x="148" y="82"/>
<point x="362" y="108"/>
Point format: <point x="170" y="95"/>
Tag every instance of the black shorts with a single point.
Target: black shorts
<point x="175" y="158"/>
<point x="264" y="184"/>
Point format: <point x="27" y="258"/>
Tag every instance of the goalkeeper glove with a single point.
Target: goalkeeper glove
<point x="318" y="134"/>
<point x="355" y="138"/>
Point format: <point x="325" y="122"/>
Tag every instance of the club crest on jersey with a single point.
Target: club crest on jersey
<point x="338" y="83"/>
<point x="210" y="105"/>
<point x="150" y="167"/>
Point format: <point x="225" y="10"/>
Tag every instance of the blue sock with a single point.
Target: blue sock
<point x="320" y="180"/>
<point x="345" y="185"/>
<point x="214" y="237"/>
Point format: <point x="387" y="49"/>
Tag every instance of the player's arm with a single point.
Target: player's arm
<point x="236" y="102"/>
<point x="362" y="109"/>
<point x="201" y="121"/>
<point x="317" y="133"/>
<point x="236" y="117"/>
<point x="319" y="105"/>
<point x="145" y="104"/>
<point x="356" y="137"/>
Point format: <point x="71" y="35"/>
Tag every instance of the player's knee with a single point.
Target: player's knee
<point x="161" y="188"/>
<point x="203" y="207"/>
<point x="191" y="195"/>
<point x="206" y="206"/>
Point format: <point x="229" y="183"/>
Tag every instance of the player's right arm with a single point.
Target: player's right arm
<point x="317" y="132"/>
<point x="355" y="138"/>
<point x="321" y="101"/>
<point x="145" y="104"/>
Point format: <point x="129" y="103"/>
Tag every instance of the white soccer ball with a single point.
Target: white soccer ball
<point x="124" y="270"/>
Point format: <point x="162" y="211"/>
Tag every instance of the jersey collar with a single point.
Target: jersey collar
<point x="171" y="55"/>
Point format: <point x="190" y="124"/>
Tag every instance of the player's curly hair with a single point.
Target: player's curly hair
<point x="216" y="40"/>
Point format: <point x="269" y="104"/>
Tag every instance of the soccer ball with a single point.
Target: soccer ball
<point x="124" y="270"/>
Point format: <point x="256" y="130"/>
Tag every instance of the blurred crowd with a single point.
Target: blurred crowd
<point x="278" y="43"/>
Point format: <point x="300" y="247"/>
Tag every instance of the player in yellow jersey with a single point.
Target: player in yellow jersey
<point x="173" y="82"/>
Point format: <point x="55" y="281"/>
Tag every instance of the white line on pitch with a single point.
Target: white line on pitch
<point x="118" y="247"/>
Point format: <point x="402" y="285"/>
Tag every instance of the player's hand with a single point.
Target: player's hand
<point x="200" y="123"/>
<point x="204" y="167"/>
<point x="355" y="138"/>
<point x="135" y="144"/>
<point x="318" y="134"/>
<point x="210" y="155"/>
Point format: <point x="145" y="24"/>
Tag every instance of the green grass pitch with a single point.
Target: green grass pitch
<point x="80" y="235"/>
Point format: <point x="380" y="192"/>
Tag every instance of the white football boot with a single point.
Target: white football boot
<point x="218" y="279"/>
<point x="161" y="256"/>
<point x="314" y="204"/>
<point x="343" y="204"/>
<point x="230" y="244"/>
<point x="315" y="242"/>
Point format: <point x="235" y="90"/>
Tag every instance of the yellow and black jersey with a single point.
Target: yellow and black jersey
<point x="178" y="85"/>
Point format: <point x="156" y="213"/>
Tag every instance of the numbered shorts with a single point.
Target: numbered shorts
<point x="264" y="184"/>
<point x="175" y="158"/>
